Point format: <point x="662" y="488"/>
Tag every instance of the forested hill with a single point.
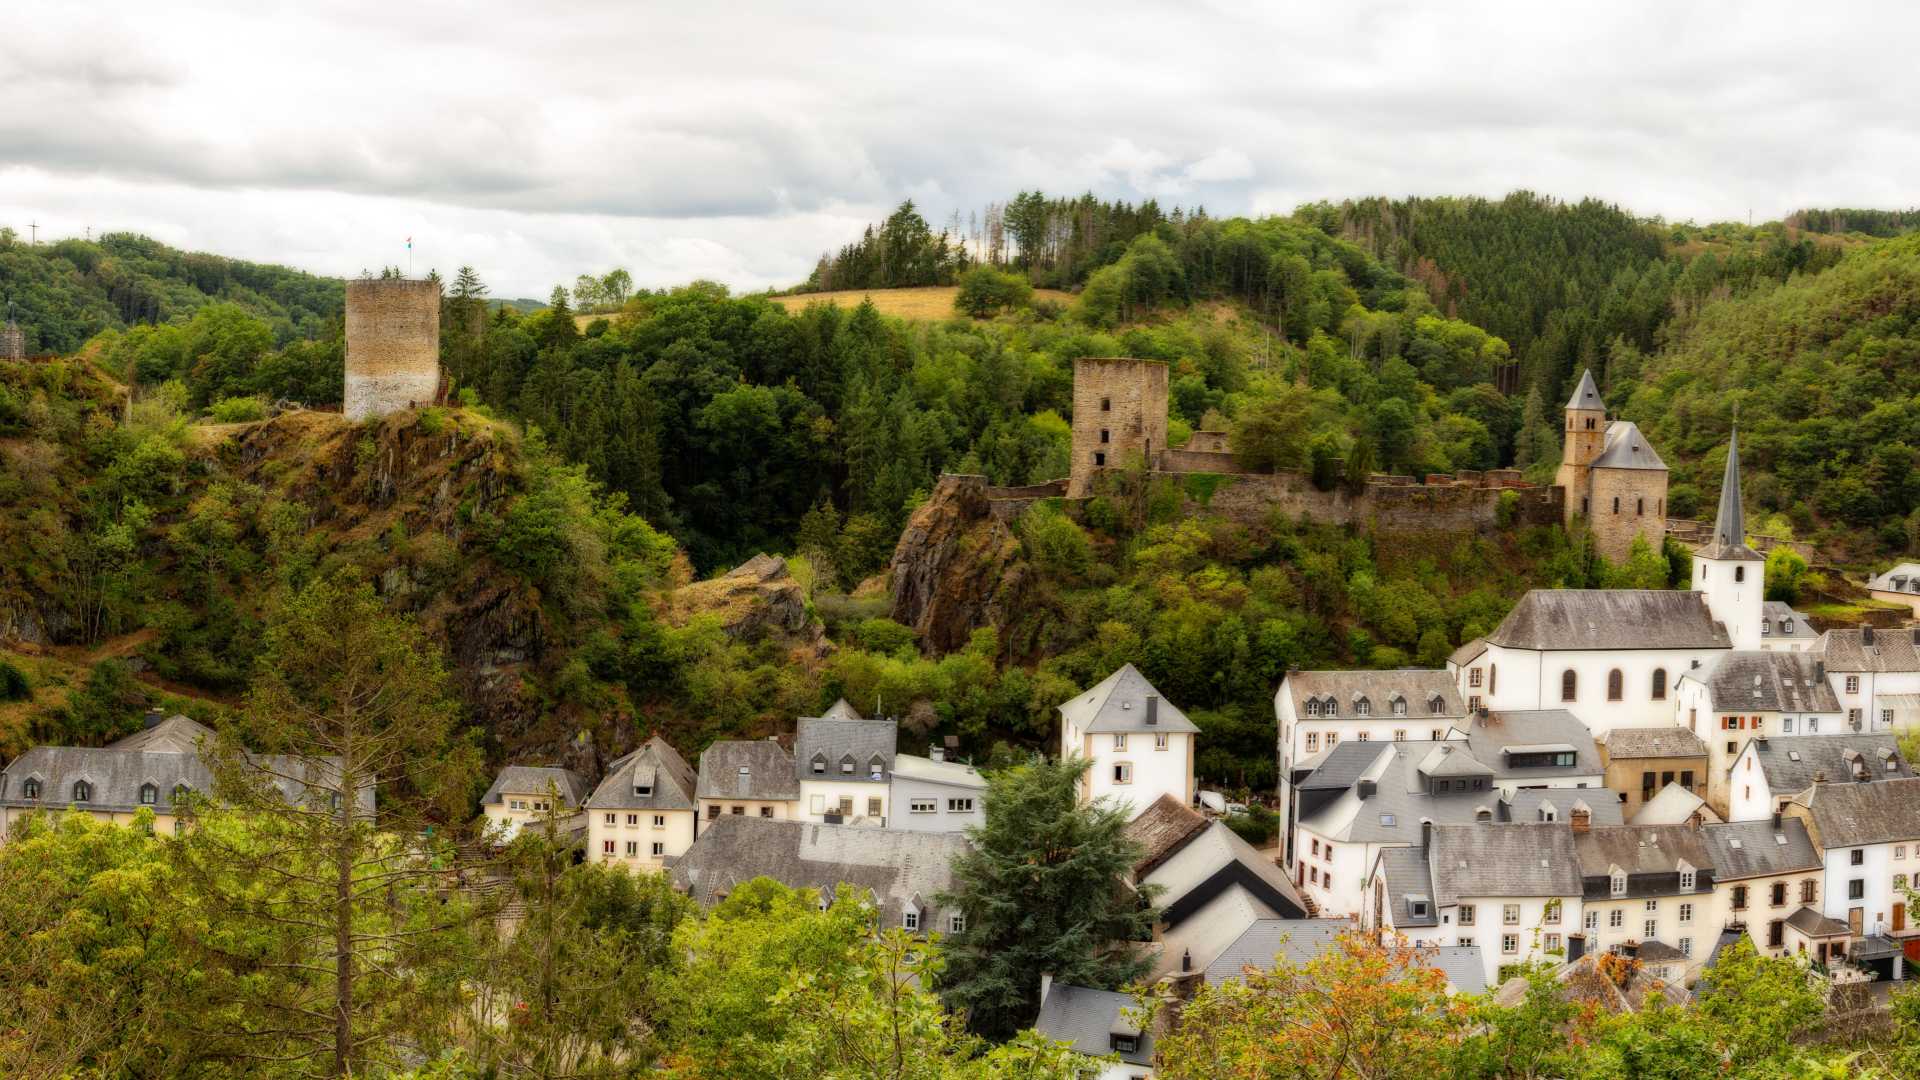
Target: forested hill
<point x="67" y="291"/>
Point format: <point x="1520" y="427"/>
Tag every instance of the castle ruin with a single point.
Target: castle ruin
<point x="1612" y="476"/>
<point x="1119" y="416"/>
<point x="13" y="342"/>
<point x="393" y="346"/>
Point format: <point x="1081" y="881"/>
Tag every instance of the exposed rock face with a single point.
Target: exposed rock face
<point x="756" y="600"/>
<point x="957" y="567"/>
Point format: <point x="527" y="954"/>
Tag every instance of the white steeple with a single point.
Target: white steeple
<point x="1731" y="574"/>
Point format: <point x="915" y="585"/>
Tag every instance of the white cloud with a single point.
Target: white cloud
<point x="740" y="140"/>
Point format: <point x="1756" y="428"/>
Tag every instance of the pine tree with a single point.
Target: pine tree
<point x="1533" y="430"/>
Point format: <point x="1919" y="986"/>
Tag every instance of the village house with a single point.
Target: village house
<point x="643" y="813"/>
<point x="1898" y="585"/>
<point x="1766" y="884"/>
<point x="1643" y="885"/>
<point x="1512" y="891"/>
<point x="527" y="794"/>
<point x="844" y="763"/>
<point x="156" y="769"/>
<point x="1868" y="838"/>
<point x="932" y="794"/>
<point x="1210" y="885"/>
<point x="1139" y="747"/>
<point x="1876" y="676"/>
<point x="1300" y="941"/>
<point x="1674" y="805"/>
<point x="903" y="873"/>
<point x="1098" y="1024"/>
<point x="749" y="777"/>
<point x="1358" y="798"/>
<point x="1744" y="695"/>
<point x="1641" y="762"/>
<point x="1769" y="772"/>
<point x="1782" y="629"/>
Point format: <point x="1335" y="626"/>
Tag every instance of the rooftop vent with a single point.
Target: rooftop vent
<point x="1866" y="636"/>
<point x="1153" y="708"/>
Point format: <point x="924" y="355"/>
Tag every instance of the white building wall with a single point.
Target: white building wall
<point x="1531" y="680"/>
<point x="1489" y="930"/>
<point x="945" y="816"/>
<point x="1688" y="922"/>
<point x="1340" y="887"/>
<point x="1154" y="770"/>
<point x="627" y="838"/>
<point x="1734" y="591"/>
<point x="1748" y="796"/>
<point x="1876" y="875"/>
<point x="819" y="798"/>
<point x="1871" y="695"/>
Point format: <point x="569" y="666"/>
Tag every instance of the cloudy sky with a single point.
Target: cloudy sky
<point x="736" y="141"/>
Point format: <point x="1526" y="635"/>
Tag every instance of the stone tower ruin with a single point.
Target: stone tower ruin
<point x="393" y="345"/>
<point x="1119" y="417"/>
<point x="13" y="342"/>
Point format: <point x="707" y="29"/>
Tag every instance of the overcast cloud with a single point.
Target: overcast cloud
<point x="736" y="141"/>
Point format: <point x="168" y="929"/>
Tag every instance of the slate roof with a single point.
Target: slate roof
<point x="1730" y="523"/>
<point x="1300" y="940"/>
<point x="1586" y="395"/>
<point x="1852" y="815"/>
<point x="1418" y="687"/>
<point x="534" y="780"/>
<point x="655" y="765"/>
<point x="165" y="754"/>
<point x="1755" y="680"/>
<point x="1494" y="737"/>
<point x="1338" y="767"/>
<point x="1789" y="762"/>
<point x="1405" y="871"/>
<point x="1651" y="856"/>
<point x="1660" y="742"/>
<point x="838" y="740"/>
<point x="1901" y="577"/>
<point x="1602" y="806"/>
<point x="1813" y="924"/>
<point x="1750" y="849"/>
<point x="1892" y="650"/>
<point x="1088" y="1019"/>
<point x="1119" y="703"/>
<point x="1614" y="619"/>
<point x="1673" y="805"/>
<point x="768" y="775"/>
<point x="1626" y="448"/>
<point x="1786" y="624"/>
<point x="1215" y="858"/>
<point x="1468" y="653"/>
<point x="894" y="865"/>
<point x="841" y="710"/>
<point x="1164" y="827"/>
<point x="1530" y="859"/>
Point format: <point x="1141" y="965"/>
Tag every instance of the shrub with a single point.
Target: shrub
<point x="883" y="636"/>
<point x="1056" y="545"/>
<point x="237" y="410"/>
<point x="1257" y="826"/>
<point x="13" y="683"/>
<point x="985" y="291"/>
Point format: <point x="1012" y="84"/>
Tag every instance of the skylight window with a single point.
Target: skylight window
<point x="1793" y="755"/>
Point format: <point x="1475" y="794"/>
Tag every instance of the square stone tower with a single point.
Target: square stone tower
<point x="13" y="342"/>
<point x="1119" y="416"/>
<point x="393" y="346"/>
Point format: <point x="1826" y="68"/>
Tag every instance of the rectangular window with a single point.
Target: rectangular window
<point x="713" y="811"/>
<point x="959" y="806"/>
<point x="1123" y="772"/>
<point x="1686" y="913"/>
<point x="659" y="821"/>
<point x="738" y="811"/>
<point x="1650" y="929"/>
<point x="659" y="848"/>
<point x="1466" y="914"/>
<point x="1853" y="684"/>
<point x="1807" y="891"/>
<point x="1120" y="740"/>
<point x="1686" y="880"/>
<point x="1160" y="740"/>
<point x="875" y="806"/>
<point x="612" y="818"/>
<point x="846" y="806"/>
<point x="1473" y="677"/>
<point x="1313" y="875"/>
<point x="1853" y="718"/>
<point x="1553" y="913"/>
<point x="1857" y="857"/>
<point x="1509" y="943"/>
<point x="1686" y="946"/>
<point x="1365" y="736"/>
<point x="633" y="848"/>
<point x="1899" y="851"/>
<point x="819" y="804"/>
<point x="1400" y="735"/>
<point x="1510" y="915"/>
<point x="1333" y="739"/>
<point x="1779" y="894"/>
<point x="1857" y="889"/>
<point x="1313" y="741"/>
<point x="1553" y="943"/>
<point x="1617" y="918"/>
<point x="1593" y="920"/>
<point x="1316" y="849"/>
<point x="1473" y="703"/>
<point x="1886" y="717"/>
<point x="1739" y="898"/>
<point x="1786" y="725"/>
<point x="766" y="811"/>
<point x="923" y="806"/>
<point x="633" y="819"/>
<point x="1653" y="905"/>
<point x="606" y="847"/>
<point x="956" y="923"/>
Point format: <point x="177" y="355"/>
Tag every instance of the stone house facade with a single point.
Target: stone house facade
<point x="1612" y="476"/>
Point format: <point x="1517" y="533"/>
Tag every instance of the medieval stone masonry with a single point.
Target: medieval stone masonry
<point x="393" y="346"/>
<point x="1119" y="416"/>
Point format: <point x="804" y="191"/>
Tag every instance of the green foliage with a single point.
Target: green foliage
<point x="108" y="704"/>
<point x="235" y="410"/>
<point x="14" y="685"/>
<point x="985" y="292"/>
<point x="1056" y="545"/>
<point x="1037" y="892"/>
<point x="1785" y="571"/>
<point x="1258" y="826"/>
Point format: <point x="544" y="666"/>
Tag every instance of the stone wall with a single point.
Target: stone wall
<point x="1627" y="503"/>
<point x="1208" y="442"/>
<point x="393" y="346"/>
<point x="1385" y="506"/>
<point x="1119" y="415"/>
<point x="1008" y="503"/>
<point x="13" y="342"/>
<point x="1198" y="461"/>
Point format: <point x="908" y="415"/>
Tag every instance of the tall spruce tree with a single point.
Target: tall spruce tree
<point x="1042" y="891"/>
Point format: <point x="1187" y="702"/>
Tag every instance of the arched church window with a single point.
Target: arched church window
<point x="1616" y="685"/>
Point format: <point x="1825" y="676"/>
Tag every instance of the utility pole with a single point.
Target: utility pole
<point x="35" y="226"/>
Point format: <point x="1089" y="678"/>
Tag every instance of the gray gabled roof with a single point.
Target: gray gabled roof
<point x="1642" y="851"/>
<point x="1468" y="653"/>
<point x="535" y="780"/>
<point x="1301" y="940"/>
<point x="1088" y="1020"/>
<point x="895" y="866"/>
<point x="1586" y="395"/>
<point x="1530" y="859"/>
<point x="1674" y="805"/>
<point x="1848" y="651"/>
<point x="1852" y="815"/>
<point x="1626" y="448"/>
<point x="1749" y="849"/>
<point x="1790" y="762"/>
<point x="1405" y="872"/>
<point x="1602" y="806"/>
<point x="1786" y="624"/>
<point x="758" y="769"/>
<point x="1610" y="619"/>
<point x="658" y="766"/>
<point x="177" y="734"/>
<point x="1657" y="742"/>
<point x="1418" y="687"/>
<point x="1495" y="737"/>
<point x="1900" y="577"/>
<point x="1815" y="925"/>
<point x="1730" y="523"/>
<point x="1119" y="703"/>
<point x="836" y="740"/>
<point x="1759" y="680"/>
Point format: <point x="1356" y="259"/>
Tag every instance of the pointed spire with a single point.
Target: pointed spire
<point x="1730" y="525"/>
<point x="1587" y="395"/>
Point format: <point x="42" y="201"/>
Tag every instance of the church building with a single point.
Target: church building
<point x="1612" y="476"/>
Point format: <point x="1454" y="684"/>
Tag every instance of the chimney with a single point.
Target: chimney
<point x="1153" y="709"/>
<point x="1866" y="635"/>
<point x="1186" y="960"/>
<point x="1580" y="819"/>
<point x="1820" y="776"/>
<point x="1820" y="669"/>
<point x="1366" y="790"/>
<point x="1426" y="835"/>
<point x="1776" y="818"/>
<point x="153" y="718"/>
<point x="1046" y="984"/>
<point x="937" y="753"/>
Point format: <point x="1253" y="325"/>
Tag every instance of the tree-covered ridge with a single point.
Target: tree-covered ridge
<point x="67" y="291"/>
<point x="1823" y="371"/>
<point x="1882" y="223"/>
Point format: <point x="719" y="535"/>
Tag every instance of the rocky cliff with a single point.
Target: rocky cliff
<point x="957" y="567"/>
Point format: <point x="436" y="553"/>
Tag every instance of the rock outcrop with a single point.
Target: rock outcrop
<point x="756" y="600"/>
<point x="957" y="566"/>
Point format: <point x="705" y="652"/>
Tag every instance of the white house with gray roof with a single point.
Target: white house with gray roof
<point x="932" y="794"/>
<point x="844" y="764"/>
<point x="1746" y="694"/>
<point x="747" y="777"/>
<point x="1139" y="746"/>
<point x="1769" y="772"/>
<point x="1511" y="891"/>
<point x="1876" y="676"/>
<point x="1767" y="885"/>
<point x="902" y="872"/>
<point x="1098" y="1024"/>
<point x="1868" y="837"/>
<point x="524" y="794"/>
<point x="643" y="813"/>
<point x="1648" y="883"/>
<point x="155" y="769"/>
<point x="1898" y="584"/>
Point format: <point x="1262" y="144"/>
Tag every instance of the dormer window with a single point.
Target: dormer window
<point x="1125" y="1044"/>
<point x="149" y="794"/>
<point x="1418" y="908"/>
<point x="1548" y="813"/>
<point x="819" y="764"/>
<point x="30" y="789"/>
<point x="643" y="789"/>
<point x="876" y="765"/>
<point x="1617" y="882"/>
<point x="1313" y="706"/>
<point x="1686" y="879"/>
<point x="1766" y="627"/>
<point x="82" y="791"/>
<point x="1786" y="626"/>
<point x="1399" y="706"/>
<point x="910" y="919"/>
<point x="180" y="793"/>
<point x="1436" y="705"/>
<point x="1739" y="573"/>
<point x="846" y="765"/>
<point x="1363" y="707"/>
